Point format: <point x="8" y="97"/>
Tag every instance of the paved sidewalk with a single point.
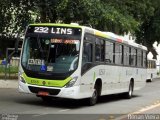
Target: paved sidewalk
<point x="8" y="83"/>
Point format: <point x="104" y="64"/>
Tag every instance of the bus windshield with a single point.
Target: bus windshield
<point x="55" y="54"/>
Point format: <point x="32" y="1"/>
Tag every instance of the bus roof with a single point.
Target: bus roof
<point x="114" y="37"/>
<point x="109" y="35"/>
<point x="56" y="24"/>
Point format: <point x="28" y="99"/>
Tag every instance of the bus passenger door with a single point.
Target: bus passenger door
<point x="86" y="71"/>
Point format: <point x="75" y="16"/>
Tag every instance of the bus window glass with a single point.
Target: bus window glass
<point x="99" y="50"/>
<point x="139" y="54"/>
<point x="108" y="52"/>
<point x="87" y="53"/>
<point x="144" y="59"/>
<point x="51" y="53"/>
<point x="126" y="55"/>
<point x="118" y="54"/>
<point x="133" y="57"/>
<point x="102" y="50"/>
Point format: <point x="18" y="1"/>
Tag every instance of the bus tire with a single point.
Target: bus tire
<point x="129" y="94"/>
<point x="151" y="78"/>
<point x="93" y="99"/>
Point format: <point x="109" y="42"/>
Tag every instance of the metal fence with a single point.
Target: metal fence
<point x="9" y="70"/>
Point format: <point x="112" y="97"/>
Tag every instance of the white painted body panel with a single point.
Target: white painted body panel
<point x="115" y="79"/>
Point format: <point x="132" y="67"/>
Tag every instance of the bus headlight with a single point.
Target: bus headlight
<point x="72" y="82"/>
<point x="21" y="77"/>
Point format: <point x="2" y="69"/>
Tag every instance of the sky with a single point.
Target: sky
<point x="157" y="47"/>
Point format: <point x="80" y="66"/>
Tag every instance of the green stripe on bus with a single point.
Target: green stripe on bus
<point x="46" y="82"/>
<point x="101" y="34"/>
<point x="52" y="24"/>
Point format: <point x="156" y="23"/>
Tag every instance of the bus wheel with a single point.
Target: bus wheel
<point x="129" y="94"/>
<point x="93" y="99"/>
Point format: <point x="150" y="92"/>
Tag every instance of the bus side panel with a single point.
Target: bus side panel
<point x="115" y="79"/>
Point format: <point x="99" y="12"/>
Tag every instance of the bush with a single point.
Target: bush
<point x="9" y="69"/>
<point x="9" y="73"/>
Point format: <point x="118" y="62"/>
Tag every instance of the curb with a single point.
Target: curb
<point x="8" y="83"/>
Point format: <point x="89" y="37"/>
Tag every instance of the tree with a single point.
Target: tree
<point x="149" y="30"/>
<point x="15" y="14"/>
<point x="14" y="17"/>
<point x="140" y="17"/>
<point x="102" y="15"/>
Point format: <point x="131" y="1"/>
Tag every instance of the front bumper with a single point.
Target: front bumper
<point x="71" y="92"/>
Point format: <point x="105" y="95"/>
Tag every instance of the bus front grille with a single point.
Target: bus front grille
<point x="38" y="89"/>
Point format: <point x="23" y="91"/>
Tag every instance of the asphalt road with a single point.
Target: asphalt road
<point x="20" y="106"/>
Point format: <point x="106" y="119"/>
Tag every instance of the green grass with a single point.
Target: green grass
<point x="10" y="69"/>
<point x="11" y="72"/>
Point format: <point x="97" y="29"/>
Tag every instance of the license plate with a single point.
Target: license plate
<point x="42" y="93"/>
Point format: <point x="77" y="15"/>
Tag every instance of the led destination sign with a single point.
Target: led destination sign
<point x="54" y="30"/>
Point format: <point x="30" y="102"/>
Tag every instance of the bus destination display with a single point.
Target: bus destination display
<point x="54" y="30"/>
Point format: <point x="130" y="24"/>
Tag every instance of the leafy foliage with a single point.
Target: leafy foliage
<point x="140" y="17"/>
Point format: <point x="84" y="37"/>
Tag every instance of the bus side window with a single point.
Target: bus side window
<point x="87" y="57"/>
<point x="98" y="50"/>
<point x="87" y="53"/>
<point x="118" y="54"/>
<point x="108" y="52"/>
<point x="144" y="59"/>
<point x="133" y="56"/>
<point x="126" y="55"/>
<point x="139" y="58"/>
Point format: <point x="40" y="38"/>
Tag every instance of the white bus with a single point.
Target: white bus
<point x="76" y="62"/>
<point x="151" y="70"/>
